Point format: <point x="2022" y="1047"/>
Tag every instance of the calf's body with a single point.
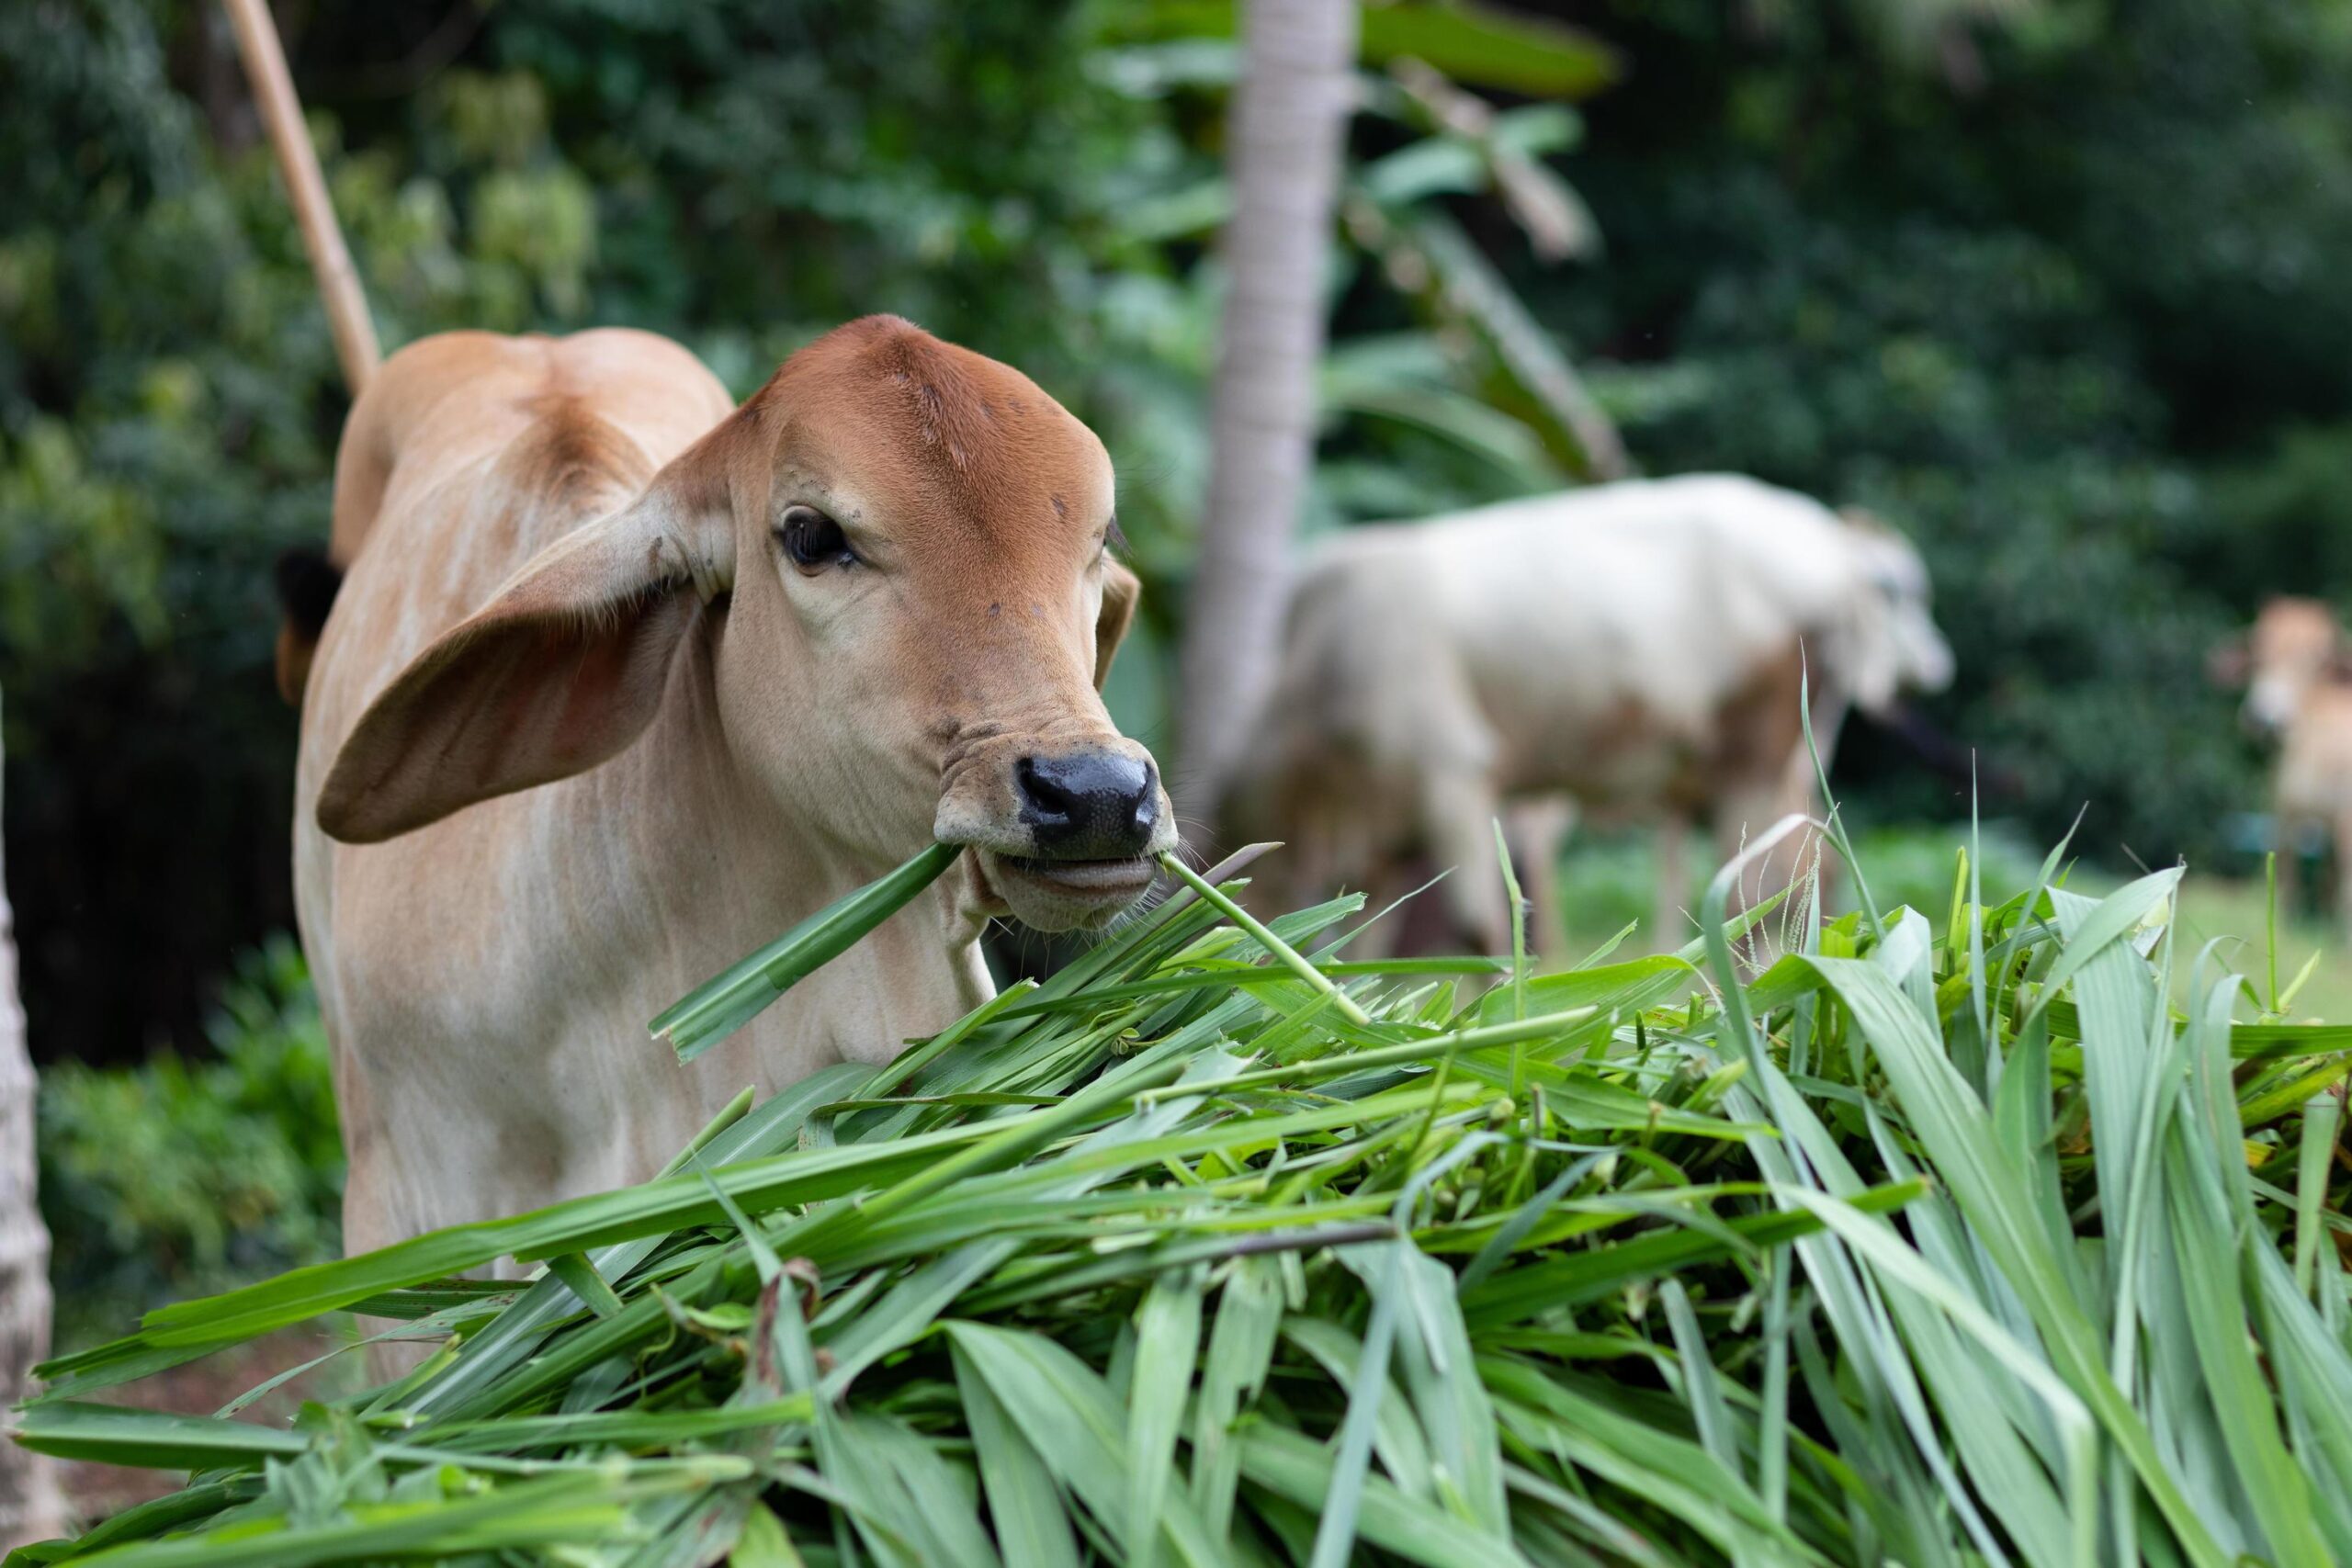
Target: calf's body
<point x="592" y="717"/>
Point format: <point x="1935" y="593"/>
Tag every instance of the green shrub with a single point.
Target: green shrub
<point x="180" y="1177"/>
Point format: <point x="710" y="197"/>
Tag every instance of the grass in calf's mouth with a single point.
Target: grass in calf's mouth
<point x="1219" y="1246"/>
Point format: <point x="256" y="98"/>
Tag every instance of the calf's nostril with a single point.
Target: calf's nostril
<point x="1089" y="805"/>
<point x="1042" y="797"/>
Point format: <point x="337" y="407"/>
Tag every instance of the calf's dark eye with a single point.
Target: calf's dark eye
<point x="813" y="540"/>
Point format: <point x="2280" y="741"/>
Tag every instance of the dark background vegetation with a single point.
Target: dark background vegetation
<point x="2062" y="294"/>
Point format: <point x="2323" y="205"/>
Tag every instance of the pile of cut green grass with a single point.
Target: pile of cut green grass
<point x="1218" y="1248"/>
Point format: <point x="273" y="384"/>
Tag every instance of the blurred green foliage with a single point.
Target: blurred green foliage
<point x="178" y="1177"/>
<point x="2056" y="299"/>
<point x="2051" y="292"/>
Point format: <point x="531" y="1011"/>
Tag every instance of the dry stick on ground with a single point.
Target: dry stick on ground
<point x="273" y="86"/>
<point x="31" y="1506"/>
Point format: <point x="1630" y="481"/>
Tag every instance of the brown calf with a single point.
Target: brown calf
<point x="2297" y="669"/>
<point x="623" y="680"/>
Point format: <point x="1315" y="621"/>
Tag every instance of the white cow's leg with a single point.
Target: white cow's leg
<point x="1799" y="795"/>
<point x="1389" y="881"/>
<point x="1539" y="826"/>
<point x="1742" y="816"/>
<point x="1458" y="807"/>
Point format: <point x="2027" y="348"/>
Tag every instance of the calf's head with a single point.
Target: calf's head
<point x="2294" y="645"/>
<point x="896" y="558"/>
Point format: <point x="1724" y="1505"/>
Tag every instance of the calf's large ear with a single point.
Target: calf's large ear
<point x="560" y="671"/>
<point x="1121" y="590"/>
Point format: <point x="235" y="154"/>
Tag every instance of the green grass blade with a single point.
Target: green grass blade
<point x="1168" y="1335"/>
<point x="1032" y="1526"/>
<point x="114" y="1434"/>
<point x="723" y="1004"/>
<point x="1242" y="1348"/>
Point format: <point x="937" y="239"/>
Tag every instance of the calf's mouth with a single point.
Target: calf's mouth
<point x="1064" y="840"/>
<point x="1128" y="873"/>
<point x="1055" y="894"/>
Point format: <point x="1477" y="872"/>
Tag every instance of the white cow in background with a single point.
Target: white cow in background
<point x="1632" y="650"/>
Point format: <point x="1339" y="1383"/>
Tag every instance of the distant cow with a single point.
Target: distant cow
<point x="2297" y="669"/>
<point x="1637" y="648"/>
<point x="623" y="680"/>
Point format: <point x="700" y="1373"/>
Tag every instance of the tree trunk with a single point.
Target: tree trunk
<point x="30" y="1507"/>
<point x="1290" y="118"/>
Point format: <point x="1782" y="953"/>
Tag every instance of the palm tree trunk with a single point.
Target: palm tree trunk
<point x="1290" y="116"/>
<point x="30" y="1507"/>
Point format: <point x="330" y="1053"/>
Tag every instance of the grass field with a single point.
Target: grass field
<point x="2218" y="908"/>
<point x="1606" y="881"/>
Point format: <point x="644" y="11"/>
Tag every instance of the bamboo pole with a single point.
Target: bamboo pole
<point x="281" y="111"/>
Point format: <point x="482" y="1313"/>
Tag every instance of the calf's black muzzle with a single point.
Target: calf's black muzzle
<point x="1091" y="804"/>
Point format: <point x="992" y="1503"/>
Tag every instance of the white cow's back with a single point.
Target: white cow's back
<point x="1653" y="601"/>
